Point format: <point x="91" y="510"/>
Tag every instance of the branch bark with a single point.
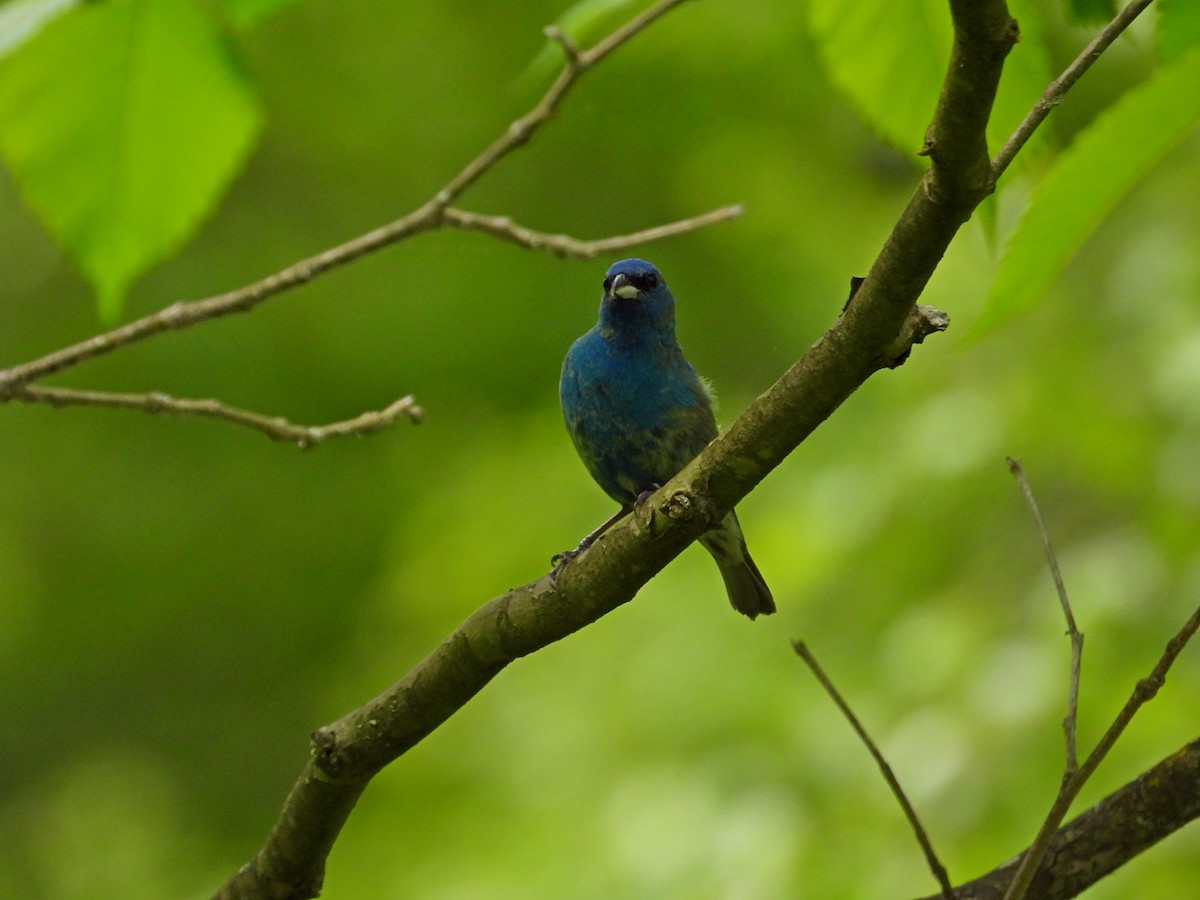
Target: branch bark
<point x="1099" y="841"/>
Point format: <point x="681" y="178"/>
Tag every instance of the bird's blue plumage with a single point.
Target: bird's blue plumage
<point x="638" y="412"/>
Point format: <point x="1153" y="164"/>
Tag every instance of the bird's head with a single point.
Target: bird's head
<point x="636" y="298"/>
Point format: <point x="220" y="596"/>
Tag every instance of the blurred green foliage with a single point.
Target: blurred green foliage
<point x="182" y="602"/>
<point x="1089" y="179"/>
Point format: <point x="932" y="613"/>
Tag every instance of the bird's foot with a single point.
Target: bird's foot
<point x="645" y="495"/>
<point x="558" y="560"/>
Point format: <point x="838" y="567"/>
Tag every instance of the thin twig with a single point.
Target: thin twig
<point x="1058" y="88"/>
<point x="506" y="229"/>
<point x="1144" y="691"/>
<point x="935" y="865"/>
<point x="523" y="128"/>
<point x="185" y="314"/>
<point x="274" y="427"/>
<point x="1070" y="722"/>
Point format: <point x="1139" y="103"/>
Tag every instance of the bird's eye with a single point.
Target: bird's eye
<point x="650" y="281"/>
<point x="607" y="284"/>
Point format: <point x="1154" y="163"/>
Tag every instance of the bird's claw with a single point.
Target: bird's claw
<point x="645" y="495"/>
<point x="558" y="560"/>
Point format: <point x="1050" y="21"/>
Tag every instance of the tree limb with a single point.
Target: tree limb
<point x="1057" y="89"/>
<point x="275" y="427"/>
<point x="433" y="215"/>
<point x="1099" y="841"/>
<point x="564" y="245"/>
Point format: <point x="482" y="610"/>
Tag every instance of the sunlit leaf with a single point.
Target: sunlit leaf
<point x="1088" y="180"/>
<point x="891" y="58"/>
<point x="246" y="13"/>
<point x="122" y="124"/>
<point x="1178" y="25"/>
<point x="22" y="19"/>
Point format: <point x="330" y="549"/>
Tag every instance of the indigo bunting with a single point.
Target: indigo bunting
<point x="638" y="413"/>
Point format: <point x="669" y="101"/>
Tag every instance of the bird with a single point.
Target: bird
<point x="637" y="413"/>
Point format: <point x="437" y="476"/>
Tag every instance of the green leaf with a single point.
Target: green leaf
<point x="1088" y="180"/>
<point x="891" y="58"/>
<point x="244" y="14"/>
<point x="1178" y="27"/>
<point x="1089" y="12"/>
<point x="22" y="19"/>
<point x="121" y="124"/>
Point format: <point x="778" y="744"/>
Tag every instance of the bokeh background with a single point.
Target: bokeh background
<point x="182" y="602"/>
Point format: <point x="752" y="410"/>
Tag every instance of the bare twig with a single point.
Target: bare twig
<point x="274" y="427"/>
<point x="935" y="865"/>
<point x="1070" y="722"/>
<point x="506" y="229"/>
<point x="1057" y="89"/>
<point x="1145" y="690"/>
<point x="569" y="48"/>
<point x="432" y="215"/>
<point x="185" y="314"/>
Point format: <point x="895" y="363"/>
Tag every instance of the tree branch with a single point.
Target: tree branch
<point x="1057" y="89"/>
<point x="432" y="215"/>
<point x="275" y="427"/>
<point x="506" y="229"/>
<point x="577" y="62"/>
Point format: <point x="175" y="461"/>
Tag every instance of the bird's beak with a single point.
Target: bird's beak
<point x="621" y="287"/>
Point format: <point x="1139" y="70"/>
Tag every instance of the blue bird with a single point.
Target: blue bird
<point x="638" y="413"/>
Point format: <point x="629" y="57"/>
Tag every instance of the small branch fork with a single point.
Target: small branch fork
<point x="1075" y="776"/>
<point x="16" y="383"/>
<point x="1122" y="825"/>
<point x="1057" y="89"/>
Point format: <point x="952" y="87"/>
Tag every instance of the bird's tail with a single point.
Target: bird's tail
<point x="748" y="592"/>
